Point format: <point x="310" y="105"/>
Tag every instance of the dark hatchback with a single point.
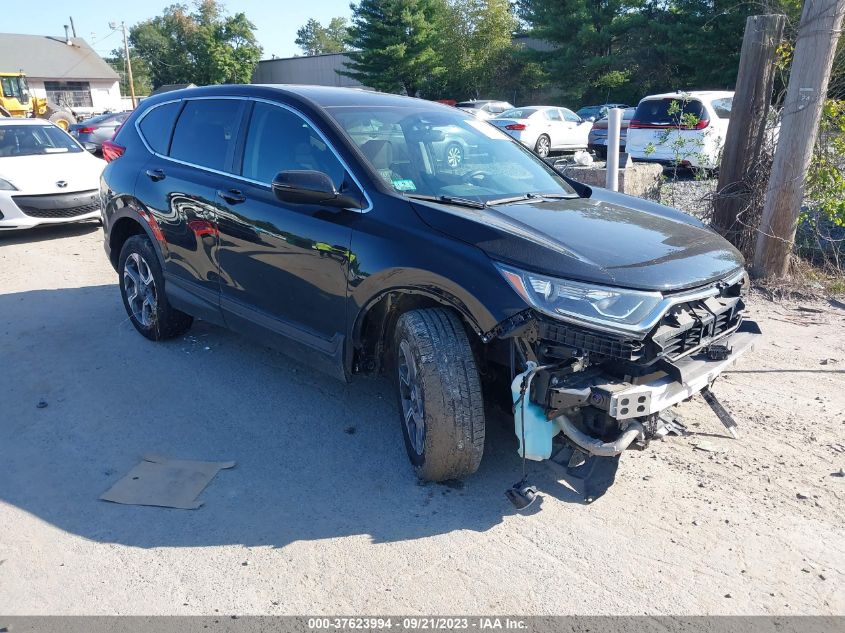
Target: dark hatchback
<point x="322" y="222"/>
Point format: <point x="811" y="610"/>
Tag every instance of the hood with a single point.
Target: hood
<point x="648" y="248"/>
<point x="39" y="174"/>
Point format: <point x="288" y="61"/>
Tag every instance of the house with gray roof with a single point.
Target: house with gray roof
<point x="65" y="70"/>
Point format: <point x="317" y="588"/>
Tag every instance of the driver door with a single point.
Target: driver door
<point x="283" y="267"/>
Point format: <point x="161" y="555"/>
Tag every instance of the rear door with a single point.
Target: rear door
<point x="181" y="188"/>
<point x="555" y="129"/>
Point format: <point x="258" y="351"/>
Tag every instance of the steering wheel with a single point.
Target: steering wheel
<point x="477" y="175"/>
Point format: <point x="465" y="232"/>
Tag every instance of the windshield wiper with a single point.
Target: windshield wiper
<point x="530" y="196"/>
<point x="457" y="201"/>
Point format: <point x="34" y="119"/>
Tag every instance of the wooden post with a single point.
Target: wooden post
<point x="815" y="47"/>
<point x="747" y="132"/>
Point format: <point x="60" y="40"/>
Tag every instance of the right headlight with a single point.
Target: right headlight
<point x="5" y="185"/>
<point x="601" y="307"/>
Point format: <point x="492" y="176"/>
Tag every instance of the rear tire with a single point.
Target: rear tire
<point x="440" y="399"/>
<point x="601" y="153"/>
<point x="543" y="146"/>
<point x="142" y="290"/>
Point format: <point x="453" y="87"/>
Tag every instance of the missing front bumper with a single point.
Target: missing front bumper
<point x="629" y="403"/>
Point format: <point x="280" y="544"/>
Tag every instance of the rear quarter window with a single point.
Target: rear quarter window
<point x="157" y="125"/>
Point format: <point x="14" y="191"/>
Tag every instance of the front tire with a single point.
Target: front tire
<point x="543" y="146"/>
<point x="440" y="399"/>
<point x="142" y="290"/>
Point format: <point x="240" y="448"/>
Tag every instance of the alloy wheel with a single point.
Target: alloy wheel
<point x="140" y="288"/>
<point x="543" y="147"/>
<point x="409" y="394"/>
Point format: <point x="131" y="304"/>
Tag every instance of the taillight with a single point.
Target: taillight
<point x="515" y="126"/>
<point x="86" y="130"/>
<point x="702" y="123"/>
<point x="112" y="150"/>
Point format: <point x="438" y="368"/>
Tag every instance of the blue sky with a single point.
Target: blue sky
<point x="276" y="21"/>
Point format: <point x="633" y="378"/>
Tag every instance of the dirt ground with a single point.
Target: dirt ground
<point x="322" y="514"/>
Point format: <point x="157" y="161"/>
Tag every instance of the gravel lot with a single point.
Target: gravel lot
<point x="322" y="513"/>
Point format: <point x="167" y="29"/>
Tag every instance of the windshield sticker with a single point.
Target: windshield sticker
<point x="487" y="129"/>
<point x="404" y="185"/>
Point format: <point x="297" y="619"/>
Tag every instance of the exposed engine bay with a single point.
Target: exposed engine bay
<point x="581" y="395"/>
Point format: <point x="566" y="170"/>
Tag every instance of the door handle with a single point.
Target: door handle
<point x="232" y="196"/>
<point x="155" y="174"/>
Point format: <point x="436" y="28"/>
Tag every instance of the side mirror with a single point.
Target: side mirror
<point x="311" y="187"/>
<point x="90" y="147"/>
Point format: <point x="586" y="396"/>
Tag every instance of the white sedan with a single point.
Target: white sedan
<point x="544" y="129"/>
<point x="46" y="177"/>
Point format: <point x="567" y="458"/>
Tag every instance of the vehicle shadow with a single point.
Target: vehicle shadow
<point x="48" y="232"/>
<point x="316" y="459"/>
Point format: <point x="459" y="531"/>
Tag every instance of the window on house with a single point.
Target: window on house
<point x="71" y="94"/>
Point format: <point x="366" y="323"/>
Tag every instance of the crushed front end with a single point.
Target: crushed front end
<point x="583" y="391"/>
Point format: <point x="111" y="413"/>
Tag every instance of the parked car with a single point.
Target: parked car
<point x="484" y="108"/>
<point x="597" y="139"/>
<point x="596" y="112"/>
<point x="46" y="177"/>
<point x="263" y="209"/>
<point x="97" y="129"/>
<point x="659" y="132"/>
<point x="544" y="129"/>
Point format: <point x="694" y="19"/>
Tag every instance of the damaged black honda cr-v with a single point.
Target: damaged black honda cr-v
<point x="337" y="225"/>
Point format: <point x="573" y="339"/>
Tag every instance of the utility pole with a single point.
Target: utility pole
<point x="113" y="26"/>
<point x="747" y="132"/>
<point x="815" y="47"/>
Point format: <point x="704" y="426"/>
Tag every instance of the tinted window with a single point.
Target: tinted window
<point x="663" y="112"/>
<point x="723" y="107"/>
<point x="279" y="140"/>
<point x="157" y="125"/>
<point x="205" y="133"/>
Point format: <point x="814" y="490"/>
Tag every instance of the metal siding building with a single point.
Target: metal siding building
<point x="316" y="70"/>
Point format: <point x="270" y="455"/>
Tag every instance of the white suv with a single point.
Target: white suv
<point x="684" y="128"/>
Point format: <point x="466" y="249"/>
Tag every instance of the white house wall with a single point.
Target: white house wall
<point x="105" y="94"/>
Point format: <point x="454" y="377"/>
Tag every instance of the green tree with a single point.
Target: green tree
<point x="477" y="47"/>
<point x="204" y="47"/>
<point x="395" y="45"/>
<point x="315" y="39"/>
<point x="140" y="72"/>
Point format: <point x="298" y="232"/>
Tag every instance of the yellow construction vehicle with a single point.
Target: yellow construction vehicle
<point x="16" y="101"/>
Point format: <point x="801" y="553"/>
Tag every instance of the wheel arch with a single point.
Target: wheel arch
<point x="370" y="335"/>
<point x="124" y="226"/>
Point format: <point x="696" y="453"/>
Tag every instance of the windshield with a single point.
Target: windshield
<point x="28" y="140"/>
<point x="445" y="153"/>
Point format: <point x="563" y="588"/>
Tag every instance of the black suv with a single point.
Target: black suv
<point x="326" y="223"/>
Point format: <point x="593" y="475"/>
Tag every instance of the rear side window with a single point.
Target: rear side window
<point x="206" y="131"/>
<point x="279" y="140"/>
<point x="157" y="125"/>
<point x="553" y="114"/>
<point x="661" y="112"/>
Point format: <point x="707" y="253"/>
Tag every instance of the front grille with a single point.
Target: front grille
<point x="63" y="205"/>
<point x="71" y="212"/>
